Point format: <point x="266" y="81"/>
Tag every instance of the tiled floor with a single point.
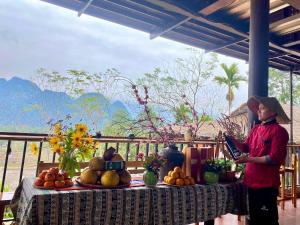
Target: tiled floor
<point x="288" y="216"/>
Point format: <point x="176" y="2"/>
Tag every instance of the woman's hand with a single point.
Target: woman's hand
<point x="242" y="159"/>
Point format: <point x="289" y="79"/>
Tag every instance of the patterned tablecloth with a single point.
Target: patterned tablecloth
<point x="138" y="205"/>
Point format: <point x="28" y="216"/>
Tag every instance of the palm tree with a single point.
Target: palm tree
<point x="231" y="80"/>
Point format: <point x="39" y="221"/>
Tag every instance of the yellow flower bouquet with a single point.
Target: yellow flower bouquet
<point x="72" y="146"/>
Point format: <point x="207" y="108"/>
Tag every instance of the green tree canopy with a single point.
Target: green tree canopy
<point x="231" y="79"/>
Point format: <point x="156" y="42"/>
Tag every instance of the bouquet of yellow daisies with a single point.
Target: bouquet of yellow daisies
<point x="72" y="146"/>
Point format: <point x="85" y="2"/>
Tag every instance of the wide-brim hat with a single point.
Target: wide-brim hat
<point x="271" y="103"/>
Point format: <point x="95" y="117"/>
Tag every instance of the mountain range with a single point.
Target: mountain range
<point x="22" y="102"/>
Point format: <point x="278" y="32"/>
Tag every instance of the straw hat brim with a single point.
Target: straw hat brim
<point x="270" y="102"/>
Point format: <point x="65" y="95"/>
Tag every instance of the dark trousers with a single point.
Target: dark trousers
<point x="263" y="206"/>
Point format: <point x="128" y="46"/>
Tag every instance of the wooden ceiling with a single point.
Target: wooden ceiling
<point x="221" y="26"/>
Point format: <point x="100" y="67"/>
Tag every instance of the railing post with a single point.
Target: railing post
<point x="23" y="161"/>
<point x="137" y="149"/>
<point x="147" y="149"/>
<point x="39" y="157"/>
<point x="117" y="147"/>
<point x="8" y="151"/>
<point x="156" y="148"/>
<point x="127" y="151"/>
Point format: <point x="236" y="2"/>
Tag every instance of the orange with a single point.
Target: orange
<point x="165" y="179"/>
<point x="172" y="181"/>
<point x="187" y="181"/>
<point x="170" y="173"/>
<point x="177" y="169"/>
<point x="192" y="181"/>
<point x="174" y="175"/>
<point x="180" y="181"/>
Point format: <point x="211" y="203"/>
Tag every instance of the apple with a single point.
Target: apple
<point x="60" y="177"/>
<point x="49" y="176"/>
<point x="54" y="170"/>
<point x="39" y="182"/>
<point x="42" y="174"/>
<point x="49" y="184"/>
<point x="59" y="183"/>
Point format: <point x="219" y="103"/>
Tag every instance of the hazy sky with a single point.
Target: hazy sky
<point x="36" y="34"/>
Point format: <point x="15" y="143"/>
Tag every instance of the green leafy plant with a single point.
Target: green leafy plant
<point x="212" y="166"/>
<point x="153" y="163"/>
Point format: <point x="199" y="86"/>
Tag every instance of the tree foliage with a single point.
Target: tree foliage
<point x="231" y="79"/>
<point x="185" y="77"/>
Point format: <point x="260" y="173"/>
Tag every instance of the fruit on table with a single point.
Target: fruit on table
<point x="59" y="183"/>
<point x="49" y="184"/>
<point x="88" y="177"/>
<point x="177" y="177"/>
<point x="42" y="174"/>
<point x="125" y="177"/>
<point x="39" y="182"/>
<point x="52" y="178"/>
<point x="60" y="177"/>
<point x="109" y="153"/>
<point x="49" y="177"/>
<point x="54" y="170"/>
<point x="117" y="157"/>
<point x="97" y="163"/>
<point x="110" y="178"/>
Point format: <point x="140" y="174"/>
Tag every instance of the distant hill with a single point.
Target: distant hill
<point x="23" y="103"/>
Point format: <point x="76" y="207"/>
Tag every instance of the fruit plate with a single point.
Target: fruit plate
<point x="51" y="188"/>
<point x="98" y="186"/>
<point x="174" y="185"/>
<point x="43" y="188"/>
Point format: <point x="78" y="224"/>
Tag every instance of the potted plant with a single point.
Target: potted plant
<point x="152" y="164"/>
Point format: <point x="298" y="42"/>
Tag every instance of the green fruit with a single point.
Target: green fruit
<point x="97" y="163"/>
<point x="211" y="177"/>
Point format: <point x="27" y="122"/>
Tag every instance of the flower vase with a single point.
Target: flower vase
<point x="69" y="165"/>
<point x="173" y="158"/>
<point x="150" y="178"/>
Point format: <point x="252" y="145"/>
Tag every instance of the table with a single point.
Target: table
<point x="137" y="205"/>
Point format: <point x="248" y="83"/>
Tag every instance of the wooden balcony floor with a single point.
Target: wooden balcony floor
<point x="289" y="216"/>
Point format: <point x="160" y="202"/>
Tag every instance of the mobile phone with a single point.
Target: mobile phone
<point x="233" y="151"/>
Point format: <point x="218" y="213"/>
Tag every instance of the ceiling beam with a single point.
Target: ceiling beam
<point x="218" y="47"/>
<point x="294" y="3"/>
<point x="287" y="25"/>
<point x="205" y="11"/>
<point x="80" y="12"/>
<point x="215" y="7"/>
<point x="172" y="8"/>
<point x="289" y="44"/>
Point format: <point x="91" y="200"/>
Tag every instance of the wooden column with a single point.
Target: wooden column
<point x="259" y="50"/>
<point x="291" y="108"/>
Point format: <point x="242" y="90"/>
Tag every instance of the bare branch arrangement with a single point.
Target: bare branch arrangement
<point x="233" y="126"/>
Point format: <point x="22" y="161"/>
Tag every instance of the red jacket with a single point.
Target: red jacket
<point x="265" y="139"/>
